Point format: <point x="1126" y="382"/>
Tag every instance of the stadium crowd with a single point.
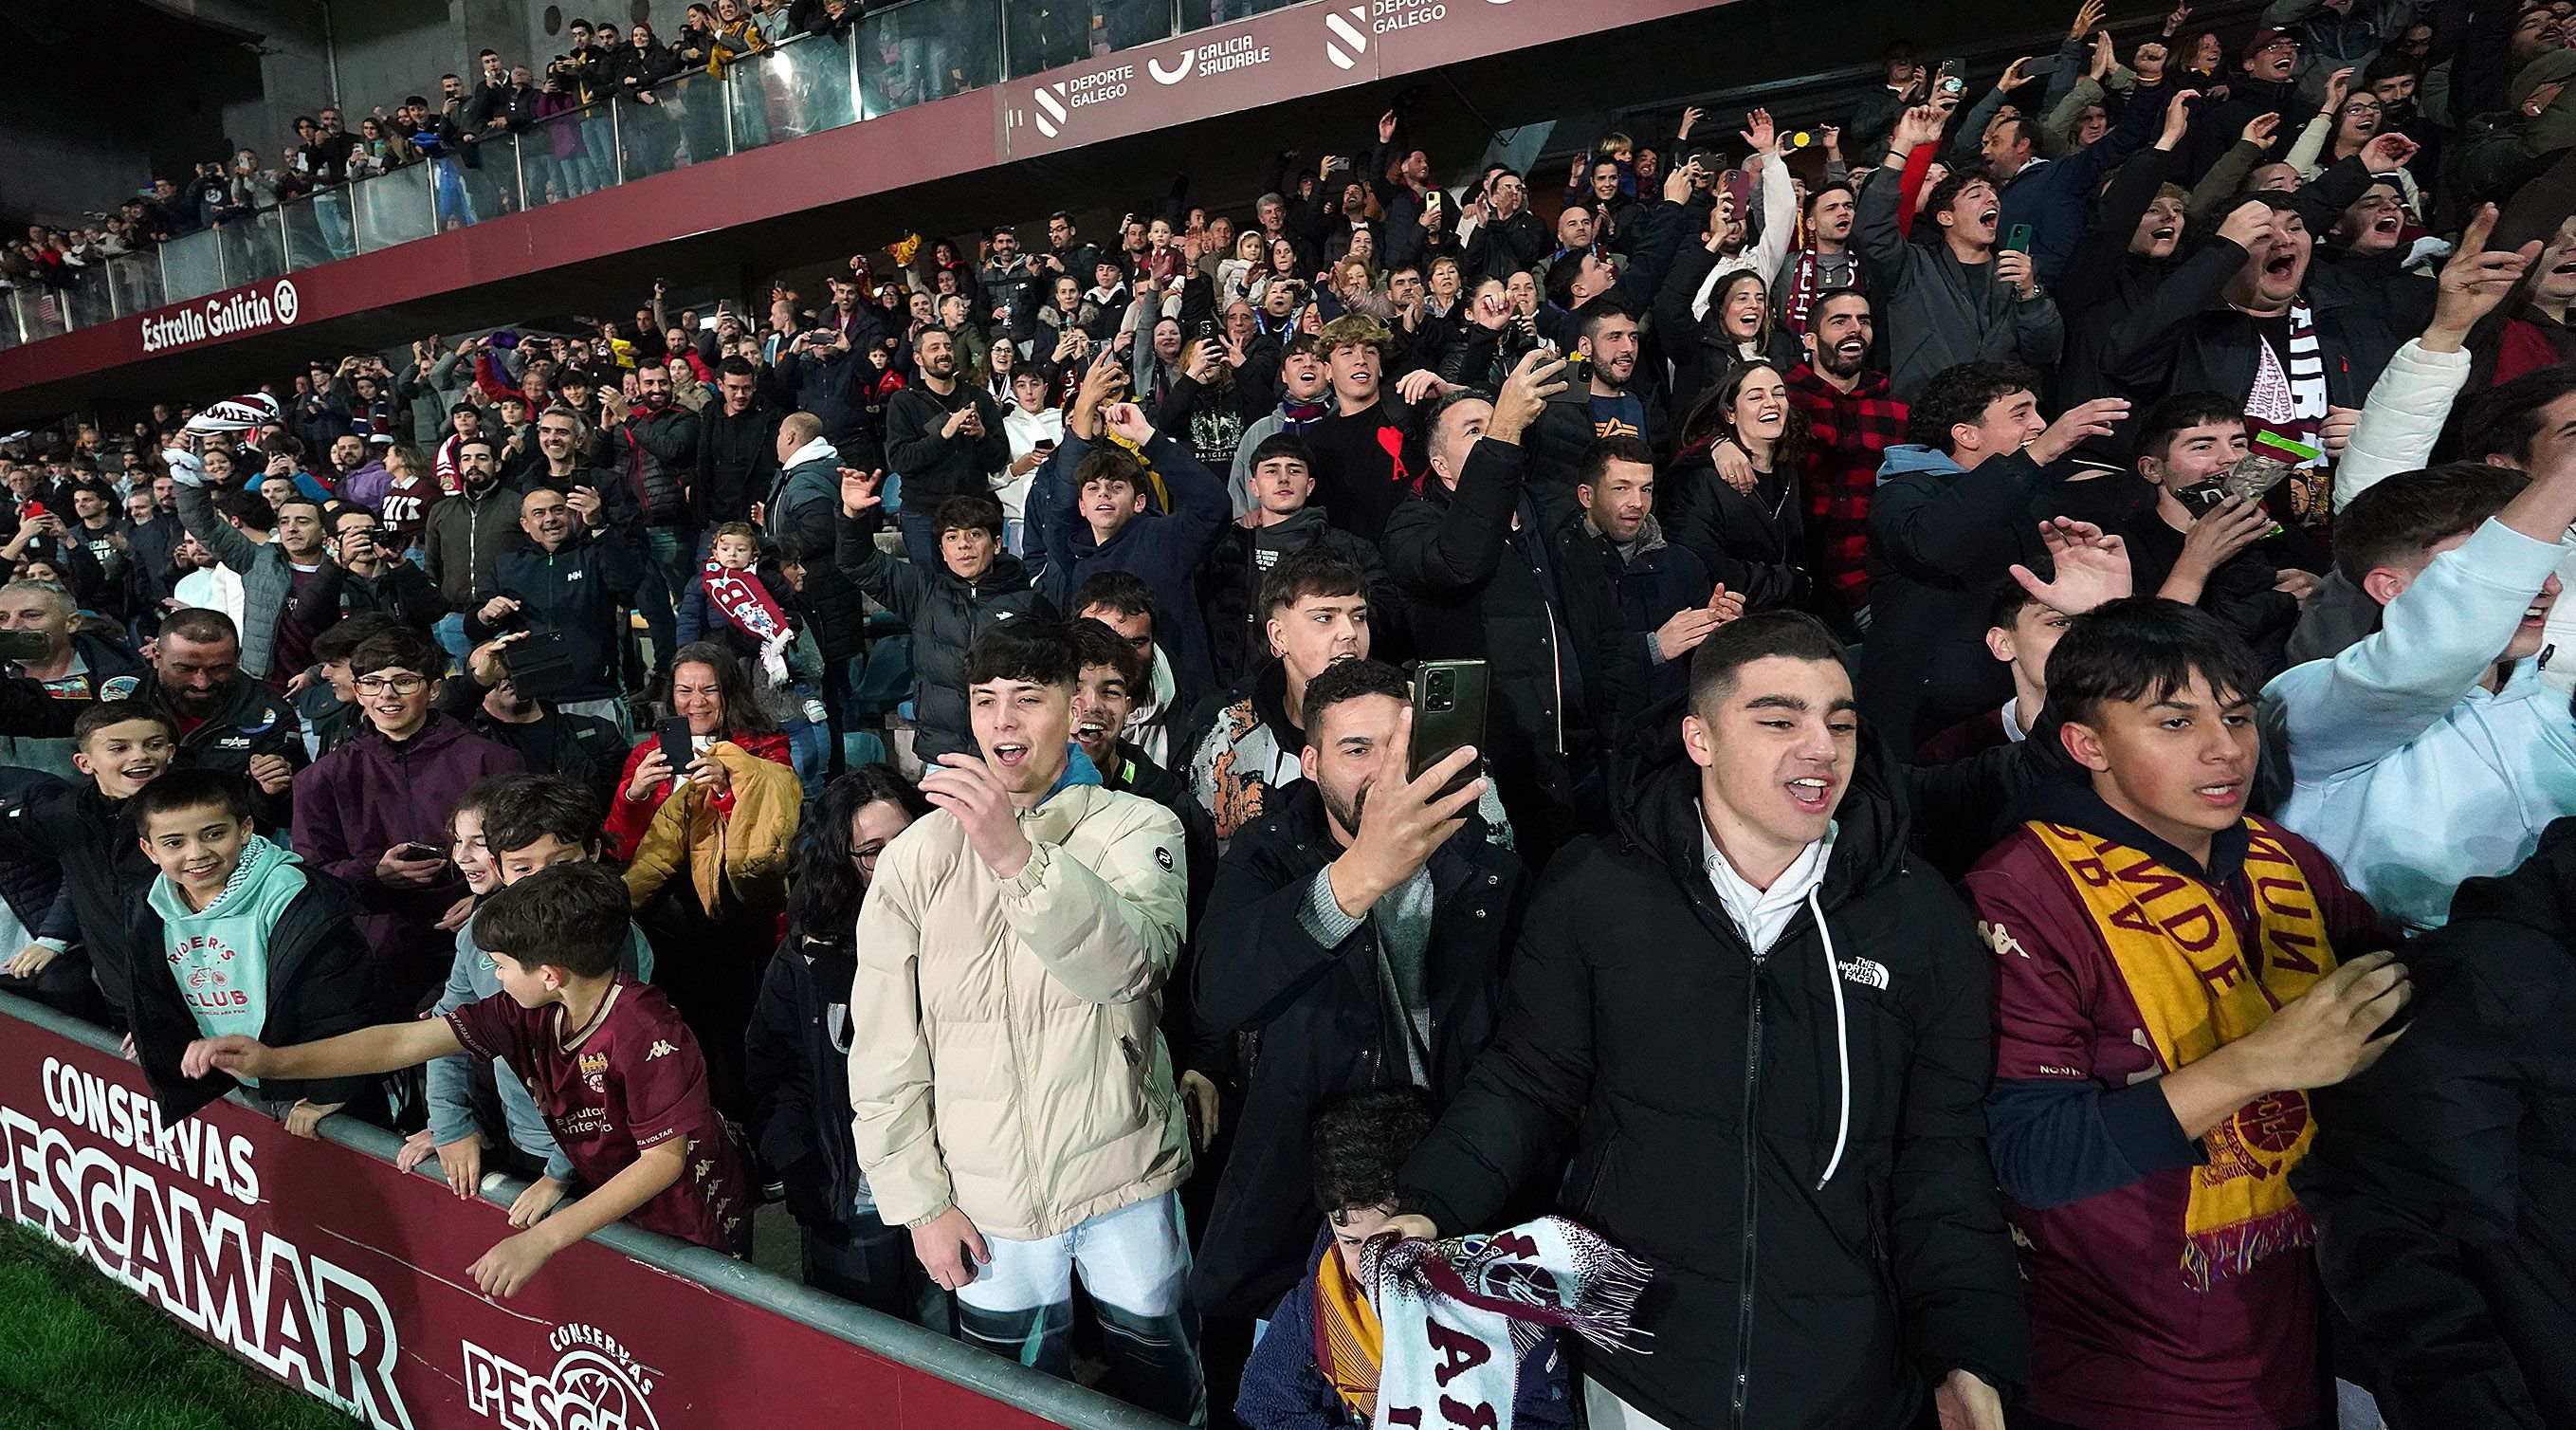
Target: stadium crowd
<point x="2011" y="855"/>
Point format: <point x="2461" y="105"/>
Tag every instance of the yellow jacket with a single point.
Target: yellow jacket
<point x="744" y="856"/>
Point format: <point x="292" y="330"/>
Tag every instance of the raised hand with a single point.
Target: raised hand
<point x="2475" y="279"/>
<point x="861" y="490"/>
<point x="2091" y="567"/>
<point x="2260" y="129"/>
<point x="1759" y="134"/>
<point x="2091" y="419"/>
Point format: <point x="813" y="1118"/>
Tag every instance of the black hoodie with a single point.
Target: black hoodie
<point x="2441" y="1179"/>
<point x="1796" y="1284"/>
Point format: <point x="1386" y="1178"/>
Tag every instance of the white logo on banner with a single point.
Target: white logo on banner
<point x="1345" y="33"/>
<point x="595" y="1385"/>
<point x="223" y="316"/>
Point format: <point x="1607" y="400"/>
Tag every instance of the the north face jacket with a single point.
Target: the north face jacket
<point x="1003" y="1052"/>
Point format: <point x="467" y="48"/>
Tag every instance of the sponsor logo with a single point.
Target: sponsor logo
<point x="660" y="1049"/>
<point x="594" y="1385"/>
<point x="88" y="1172"/>
<point x="1345" y="40"/>
<point x="223" y="316"/>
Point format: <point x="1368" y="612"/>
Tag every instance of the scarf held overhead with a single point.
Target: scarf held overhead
<point x="2180" y="957"/>
<point x="1459" y="1315"/>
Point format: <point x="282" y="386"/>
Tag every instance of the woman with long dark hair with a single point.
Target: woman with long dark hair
<point x="798" y="1049"/>
<point x="707" y="847"/>
<point x="1752" y="541"/>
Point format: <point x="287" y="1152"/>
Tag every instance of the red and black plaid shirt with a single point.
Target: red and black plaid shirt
<point x="1848" y="434"/>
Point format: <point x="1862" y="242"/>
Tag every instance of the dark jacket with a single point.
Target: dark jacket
<point x="2055" y="196"/>
<point x="321" y="983"/>
<point x="935" y="468"/>
<point x="1482" y="588"/>
<point x="1230" y="588"/>
<point x="244" y="723"/>
<point x="104" y="869"/>
<point x="1327" y="1029"/>
<point x="737" y="461"/>
<point x="658" y="455"/>
<point x="1162" y="549"/>
<point x="2441" y="1179"/>
<point x="1936" y="312"/>
<point x="1617" y="602"/>
<point x="1566" y="429"/>
<point x="1752" y="543"/>
<point x="833" y="385"/>
<point x="372" y="794"/>
<point x="946" y="614"/>
<point x="464" y="536"/>
<point x="796" y="1059"/>
<point x="580" y="591"/>
<point x="1700" y="1088"/>
<point x="806" y="505"/>
<point x="2185" y="338"/>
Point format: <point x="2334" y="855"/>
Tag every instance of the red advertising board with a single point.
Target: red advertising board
<point x="331" y="1271"/>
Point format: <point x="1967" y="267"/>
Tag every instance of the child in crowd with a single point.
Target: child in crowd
<point x="741" y="601"/>
<point x="121" y="746"/>
<point x="1317" y="1364"/>
<point x="237" y="937"/>
<point x="504" y="829"/>
<point x="616" y="1073"/>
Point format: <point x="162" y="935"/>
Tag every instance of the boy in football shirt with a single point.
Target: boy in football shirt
<point x="617" y="1075"/>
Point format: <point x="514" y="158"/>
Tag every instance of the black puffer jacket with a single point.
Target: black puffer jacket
<point x="1230" y="588"/>
<point x="88" y="836"/>
<point x="1702" y="1092"/>
<point x="946" y="615"/>
<point x="1326" y="1029"/>
<point x="796" y="1059"/>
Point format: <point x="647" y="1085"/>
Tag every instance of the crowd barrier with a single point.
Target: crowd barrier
<point x="318" y="1263"/>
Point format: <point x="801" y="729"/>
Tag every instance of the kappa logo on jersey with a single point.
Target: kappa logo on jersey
<point x="660" y="1049"/>
<point x="1865" y="972"/>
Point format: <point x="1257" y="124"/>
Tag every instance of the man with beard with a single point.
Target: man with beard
<point x="1611" y="404"/>
<point x="1851" y="422"/>
<point x="463" y="537"/>
<point x="659" y="453"/>
<point x="944" y="436"/>
<point x="582" y="748"/>
<point x="573" y="576"/>
<point x="737" y="447"/>
<point x="226" y="721"/>
<point x="1361" y="927"/>
<point x="2235" y="319"/>
<point x="1956" y="299"/>
<point x="278" y="574"/>
<point x="1825" y="263"/>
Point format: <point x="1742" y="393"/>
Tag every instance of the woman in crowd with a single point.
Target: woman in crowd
<point x="706" y="847"/>
<point x="1752" y="540"/>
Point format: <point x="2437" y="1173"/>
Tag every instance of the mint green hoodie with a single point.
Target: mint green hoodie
<point x="219" y="956"/>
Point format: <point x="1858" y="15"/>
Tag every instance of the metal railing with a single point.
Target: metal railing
<point x="890" y="60"/>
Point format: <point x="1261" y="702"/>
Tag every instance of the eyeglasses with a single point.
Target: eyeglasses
<point x="397" y="684"/>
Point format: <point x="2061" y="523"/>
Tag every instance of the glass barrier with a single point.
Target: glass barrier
<point x="9" y="330"/>
<point x="396" y="206"/>
<point x="905" y="54"/>
<point x="927" y="49"/>
<point x="192" y="265"/>
<point x="800" y="88"/>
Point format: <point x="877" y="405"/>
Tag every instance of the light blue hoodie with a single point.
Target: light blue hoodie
<point x="1915" y="457"/>
<point x="2404" y="769"/>
<point x="471" y="979"/>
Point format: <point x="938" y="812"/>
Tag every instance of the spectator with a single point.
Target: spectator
<point x="1242" y="746"/>
<point x="656" y="446"/>
<point x="947" y="606"/>
<point x="942" y="437"/>
<point x="797" y="1060"/>
<point x="1614" y="404"/>
<point x="569" y="581"/>
<point x="2192" y="545"/>
<point x="2149" y="1082"/>
<point x="1366" y="457"/>
<point x="278" y="575"/>
<point x="83" y="829"/>
<point x="245" y="942"/>
<point x="362" y="575"/>
<point x="226" y="721"/>
<point x="706" y="853"/>
<point x="1727" y="860"/>
<point x="645" y="1137"/>
<point x="808" y="484"/>
<point x="583" y="748"/>
<point x="1110" y="529"/>
<point x="1122" y="602"/>
<point x="2442" y="711"/>
<point x="1957" y="507"/>
<point x="1081" y="889"/>
<point x="1282" y="523"/>
<point x="373" y="813"/>
<point x="1958" y="299"/>
<point x="737" y="457"/>
<point x="462" y="539"/>
<point x="1851" y="422"/>
<point x="1359" y="926"/>
<point x="1744" y="533"/>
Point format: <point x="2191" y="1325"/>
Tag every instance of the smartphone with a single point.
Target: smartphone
<point x="1448" y="716"/>
<point x="2019" y="239"/>
<point x="415" y="850"/>
<point x="1207" y="331"/>
<point x="678" y="749"/>
<point x="1951" y="77"/>
<point x="1737" y="184"/>
<point x="1578" y="367"/>
<point x="32" y="511"/>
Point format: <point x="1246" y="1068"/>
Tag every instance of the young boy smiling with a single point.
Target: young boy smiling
<point x="616" y="1073"/>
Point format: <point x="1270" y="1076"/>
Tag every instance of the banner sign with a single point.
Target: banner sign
<point x="334" y="1273"/>
<point x="225" y="315"/>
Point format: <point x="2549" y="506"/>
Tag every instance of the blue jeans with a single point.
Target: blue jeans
<point x="920" y="537"/>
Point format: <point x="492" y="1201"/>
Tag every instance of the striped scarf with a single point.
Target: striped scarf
<point x="1459" y="1315"/>
<point x="2291" y="402"/>
<point x="2178" y="955"/>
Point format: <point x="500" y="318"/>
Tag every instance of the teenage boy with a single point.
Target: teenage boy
<point x="1319" y="1364"/>
<point x="615" y="1071"/>
<point x="2431" y="751"/>
<point x="975" y="586"/>
<point x="1283" y="521"/>
<point x="1360" y="929"/>
<point x="1029" y="875"/>
<point x="373" y="813"/>
<point x="1245" y="744"/>
<point x="510" y="827"/>
<point x="1108" y="528"/>
<point x="2210" y="554"/>
<point x="1956" y="508"/>
<point x="2174" y="975"/>
<point x="2021" y="633"/>
<point x="1123" y="603"/>
<point x="119" y="746"/>
<point x="1113" y="673"/>
<point x="235" y="937"/>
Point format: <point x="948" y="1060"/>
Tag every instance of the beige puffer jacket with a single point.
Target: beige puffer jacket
<point x="1003" y="1051"/>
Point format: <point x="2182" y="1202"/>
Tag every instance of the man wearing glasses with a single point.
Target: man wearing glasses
<point x="373" y="813"/>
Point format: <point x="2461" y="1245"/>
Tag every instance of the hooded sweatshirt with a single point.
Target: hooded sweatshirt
<point x="219" y="954"/>
<point x="1941" y="539"/>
